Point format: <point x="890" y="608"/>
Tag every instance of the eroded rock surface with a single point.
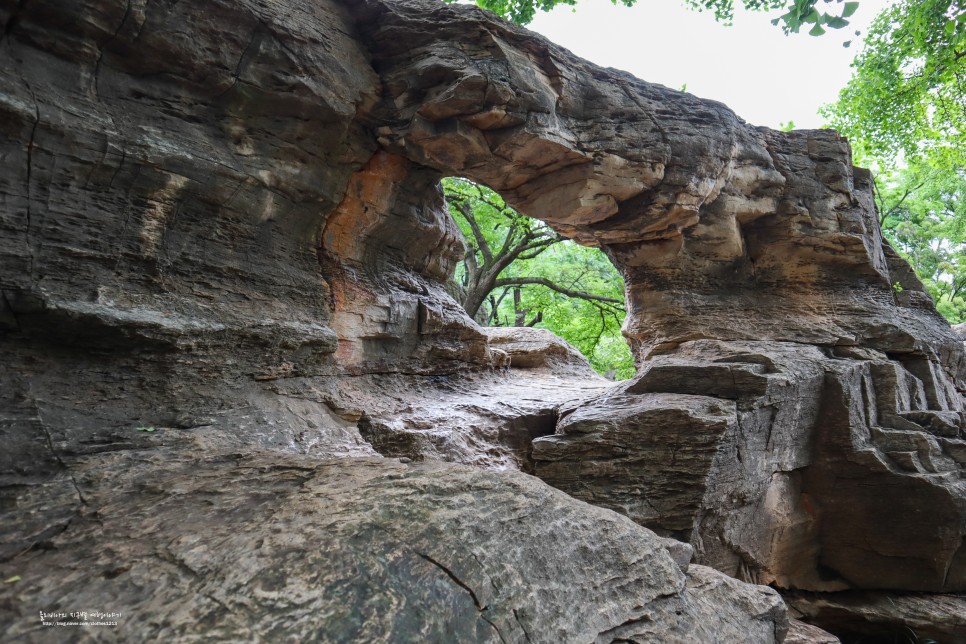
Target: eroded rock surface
<point x="801" y="633"/>
<point x="940" y="618"/>
<point x="777" y="461"/>
<point x="221" y="233"/>
<point x="269" y="546"/>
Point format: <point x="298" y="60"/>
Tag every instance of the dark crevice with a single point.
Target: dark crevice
<point x="387" y="442"/>
<point x="456" y="580"/>
<point x="244" y="59"/>
<point x="30" y="148"/>
<point x="633" y="621"/>
<point x="50" y="446"/>
<point x="107" y="42"/>
<point x="43" y="540"/>
<point x="528" y="428"/>
<point x="523" y="628"/>
<point x="8" y="313"/>
<point x="14" y="19"/>
<point x="499" y="634"/>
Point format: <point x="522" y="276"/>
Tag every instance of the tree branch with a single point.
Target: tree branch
<point x="481" y="243"/>
<point x="536" y="251"/>
<point x="542" y="281"/>
<point x="502" y="261"/>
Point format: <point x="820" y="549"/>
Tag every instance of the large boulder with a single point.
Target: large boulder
<point x="263" y="546"/>
<point x="781" y="464"/>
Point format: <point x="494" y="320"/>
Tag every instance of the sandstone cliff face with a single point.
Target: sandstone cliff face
<point x="220" y="222"/>
<point x="760" y="241"/>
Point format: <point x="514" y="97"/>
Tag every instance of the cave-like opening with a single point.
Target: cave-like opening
<point x="518" y="271"/>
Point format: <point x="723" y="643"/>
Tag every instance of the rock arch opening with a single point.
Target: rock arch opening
<point x="519" y="272"/>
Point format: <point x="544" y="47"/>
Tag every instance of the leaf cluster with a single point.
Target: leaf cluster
<point x="907" y="95"/>
<point x="802" y="13"/>
<point x="923" y="214"/>
<point x="522" y="12"/>
<point x="799" y="12"/>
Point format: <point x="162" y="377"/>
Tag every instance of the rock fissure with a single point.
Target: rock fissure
<point x="101" y="47"/>
<point x="526" y="634"/>
<point x="28" y="218"/>
<point x="243" y="58"/>
<point x="64" y="466"/>
<point x="456" y="580"/>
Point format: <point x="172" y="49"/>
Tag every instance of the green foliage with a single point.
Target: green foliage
<point x="517" y="271"/>
<point x="591" y="327"/>
<point x="724" y="10"/>
<point x="904" y="111"/>
<point x="800" y="13"/>
<point x="907" y="94"/>
<point x="523" y="11"/>
<point x="923" y="214"/>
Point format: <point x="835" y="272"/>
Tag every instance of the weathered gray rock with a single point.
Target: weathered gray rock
<point x="645" y="456"/>
<point x="528" y="348"/>
<point x="939" y="618"/>
<point x="265" y="546"/>
<point x="801" y="633"/>
<point x="484" y="419"/>
<point x="778" y="463"/>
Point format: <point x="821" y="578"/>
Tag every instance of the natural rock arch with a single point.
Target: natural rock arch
<point x="742" y="247"/>
<point x="703" y="213"/>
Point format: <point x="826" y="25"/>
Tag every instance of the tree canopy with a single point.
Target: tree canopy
<point x="922" y="210"/>
<point x="518" y="272"/>
<point x="904" y="111"/>
<point x="907" y="96"/>
<point x="799" y="13"/>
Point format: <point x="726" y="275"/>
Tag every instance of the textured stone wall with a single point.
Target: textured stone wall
<point x="222" y="241"/>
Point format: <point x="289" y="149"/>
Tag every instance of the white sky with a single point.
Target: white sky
<point x="767" y="78"/>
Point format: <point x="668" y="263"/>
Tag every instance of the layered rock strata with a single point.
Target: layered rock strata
<point x="224" y="261"/>
<point x="763" y="245"/>
<point x="779" y="463"/>
<point x="938" y="618"/>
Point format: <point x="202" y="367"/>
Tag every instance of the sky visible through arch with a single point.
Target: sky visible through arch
<point x="767" y="78"/>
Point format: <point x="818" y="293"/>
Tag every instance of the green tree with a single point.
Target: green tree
<point x="518" y="272"/>
<point x="904" y="111"/>
<point x="907" y="95"/>
<point x="798" y="13"/>
<point x="922" y="211"/>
